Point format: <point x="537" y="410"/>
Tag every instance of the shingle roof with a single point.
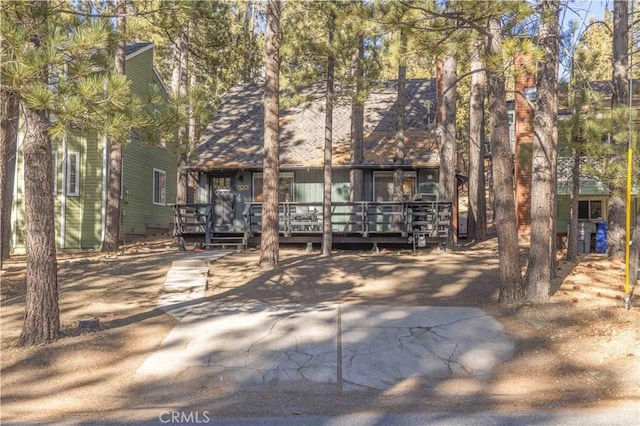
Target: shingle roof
<point x="602" y="87"/>
<point x="131" y="48"/>
<point x="234" y="139"/>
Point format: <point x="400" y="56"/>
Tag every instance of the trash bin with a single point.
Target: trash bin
<point x="584" y="236"/>
<point x="601" y="237"/>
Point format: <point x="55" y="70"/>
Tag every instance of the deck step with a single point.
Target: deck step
<point x="224" y="242"/>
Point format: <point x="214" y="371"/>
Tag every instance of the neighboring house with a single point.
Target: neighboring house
<point x="80" y="176"/>
<point x="593" y="201"/>
<point x="228" y="162"/>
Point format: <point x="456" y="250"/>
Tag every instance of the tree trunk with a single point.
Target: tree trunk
<point x="401" y="100"/>
<point x="617" y="219"/>
<point x="477" y="212"/>
<point x="42" y="316"/>
<point x="511" y="283"/>
<point x="356" y="176"/>
<point x="634" y="252"/>
<point x="327" y="229"/>
<point x="193" y="137"/>
<point x="183" y="137"/>
<point x="543" y="182"/>
<point x="448" y="150"/>
<point x="114" y="189"/>
<point x="572" y="238"/>
<point x="8" y="145"/>
<point x="617" y="209"/>
<point x="270" y="240"/>
<point x="620" y="52"/>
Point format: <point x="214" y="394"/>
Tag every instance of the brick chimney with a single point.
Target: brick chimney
<point x="525" y="86"/>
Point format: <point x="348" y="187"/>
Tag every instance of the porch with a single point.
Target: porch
<point x="415" y="223"/>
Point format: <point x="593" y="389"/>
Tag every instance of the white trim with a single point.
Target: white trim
<point x="14" y="202"/>
<point x="163" y="194"/>
<point x="55" y="172"/>
<point x="164" y="85"/>
<point x="139" y="51"/>
<point x="105" y="172"/>
<point x="155" y="71"/>
<point x="63" y="193"/>
<point x="69" y="167"/>
<point x="122" y="175"/>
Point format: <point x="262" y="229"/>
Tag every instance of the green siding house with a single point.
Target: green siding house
<point x="80" y="176"/>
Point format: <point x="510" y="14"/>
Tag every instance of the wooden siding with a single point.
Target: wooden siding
<point x="83" y="213"/>
<point x="139" y="215"/>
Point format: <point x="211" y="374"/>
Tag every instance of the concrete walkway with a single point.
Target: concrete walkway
<point x="186" y="283"/>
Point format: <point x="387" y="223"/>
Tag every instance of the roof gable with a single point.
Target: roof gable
<point x="234" y="139"/>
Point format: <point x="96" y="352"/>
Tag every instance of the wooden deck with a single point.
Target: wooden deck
<point x="415" y="223"/>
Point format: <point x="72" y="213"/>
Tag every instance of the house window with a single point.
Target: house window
<point x="531" y="93"/>
<point x="221" y="183"/>
<point x="73" y="173"/>
<point x="383" y="186"/>
<point x="285" y="187"/>
<point x="590" y="210"/>
<point x="159" y="187"/>
<point x="55" y="172"/>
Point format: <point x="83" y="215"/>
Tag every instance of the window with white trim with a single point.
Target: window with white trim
<point x="159" y="187"/>
<point x="285" y="187"/>
<point x="55" y="172"/>
<point x="383" y="186"/>
<point x="73" y="173"/>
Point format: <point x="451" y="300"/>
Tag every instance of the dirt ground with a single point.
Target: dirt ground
<point x="581" y="350"/>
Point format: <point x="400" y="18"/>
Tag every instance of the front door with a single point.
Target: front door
<point x="223" y="211"/>
<point x="223" y="205"/>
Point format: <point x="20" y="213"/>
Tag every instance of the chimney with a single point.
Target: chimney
<point x="525" y="91"/>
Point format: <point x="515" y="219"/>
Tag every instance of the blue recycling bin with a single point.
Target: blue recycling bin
<point x="601" y="237"/>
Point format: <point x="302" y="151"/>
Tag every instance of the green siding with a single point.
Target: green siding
<point x="564" y="210"/>
<point x="82" y="214"/>
<point x="139" y="215"/>
<point x="138" y="212"/>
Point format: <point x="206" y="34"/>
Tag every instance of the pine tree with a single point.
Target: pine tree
<point x="270" y="215"/>
<point x="114" y="181"/>
<point x="543" y="169"/>
<point x="327" y="172"/>
<point x="8" y="145"/>
<point x="53" y="76"/>
<point x="617" y="205"/>
<point x="511" y="283"/>
<point x="477" y="213"/>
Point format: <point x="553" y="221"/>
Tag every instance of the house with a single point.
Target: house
<point x="80" y="173"/>
<point x="228" y="162"/>
<point x="593" y="200"/>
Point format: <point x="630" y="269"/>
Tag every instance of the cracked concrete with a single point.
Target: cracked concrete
<point x="378" y="346"/>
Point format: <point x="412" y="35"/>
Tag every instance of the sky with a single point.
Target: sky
<point x="581" y="11"/>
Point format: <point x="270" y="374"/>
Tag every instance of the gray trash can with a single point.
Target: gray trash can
<point x="584" y="236"/>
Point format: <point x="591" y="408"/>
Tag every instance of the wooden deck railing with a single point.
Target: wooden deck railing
<point x="415" y="221"/>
